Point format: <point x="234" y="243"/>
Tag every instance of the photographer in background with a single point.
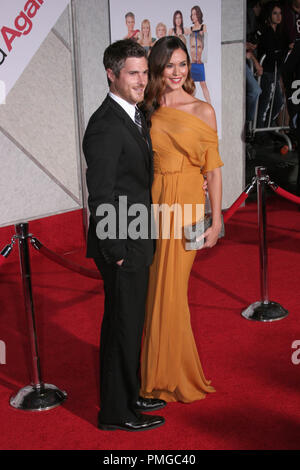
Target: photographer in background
<point x="291" y="70"/>
<point x="273" y="46"/>
<point x="253" y="90"/>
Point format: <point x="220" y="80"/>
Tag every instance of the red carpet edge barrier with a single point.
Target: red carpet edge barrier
<point x="282" y="192"/>
<point x="63" y="262"/>
<point x="94" y="274"/>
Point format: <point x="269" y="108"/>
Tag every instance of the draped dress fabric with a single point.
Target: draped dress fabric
<point x="184" y="148"/>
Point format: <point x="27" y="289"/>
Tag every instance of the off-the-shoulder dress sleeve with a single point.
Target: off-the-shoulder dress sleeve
<point x="212" y="157"/>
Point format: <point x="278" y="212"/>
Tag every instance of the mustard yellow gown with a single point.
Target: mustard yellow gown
<point x="184" y="147"/>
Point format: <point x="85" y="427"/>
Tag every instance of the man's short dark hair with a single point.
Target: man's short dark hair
<point x="116" y="54"/>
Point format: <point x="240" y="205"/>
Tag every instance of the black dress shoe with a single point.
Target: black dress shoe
<point x="149" y="404"/>
<point x="141" y="423"/>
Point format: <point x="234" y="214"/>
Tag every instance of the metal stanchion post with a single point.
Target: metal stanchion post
<point x="38" y="396"/>
<point x="263" y="310"/>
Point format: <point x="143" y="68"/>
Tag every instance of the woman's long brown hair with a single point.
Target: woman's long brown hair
<point x="178" y="12"/>
<point x="159" y="57"/>
<point x="199" y="14"/>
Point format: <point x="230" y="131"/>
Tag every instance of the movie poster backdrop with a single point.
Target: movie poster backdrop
<point x="198" y="24"/>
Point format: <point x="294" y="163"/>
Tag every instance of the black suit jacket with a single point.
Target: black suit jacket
<point x="119" y="163"/>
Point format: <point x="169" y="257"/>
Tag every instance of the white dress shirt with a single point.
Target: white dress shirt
<point x="129" y="108"/>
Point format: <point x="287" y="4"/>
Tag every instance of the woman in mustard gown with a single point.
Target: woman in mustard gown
<point x="185" y="147"/>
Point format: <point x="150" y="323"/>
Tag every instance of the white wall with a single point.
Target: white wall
<point x="39" y="167"/>
<point x="232" y="148"/>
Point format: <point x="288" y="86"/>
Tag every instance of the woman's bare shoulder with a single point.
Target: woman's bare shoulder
<point x="205" y="112"/>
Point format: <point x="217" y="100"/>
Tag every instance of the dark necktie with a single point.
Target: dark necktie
<point x="138" y="121"/>
<point x="140" y="125"/>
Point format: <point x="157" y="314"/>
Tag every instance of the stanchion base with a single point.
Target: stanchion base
<point x="38" y="398"/>
<point x="260" y="311"/>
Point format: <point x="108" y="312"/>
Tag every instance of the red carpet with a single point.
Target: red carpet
<point x="258" y="387"/>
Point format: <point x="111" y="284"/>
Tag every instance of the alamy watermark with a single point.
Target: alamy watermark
<point x="296" y="94"/>
<point x="123" y="220"/>
<point x="2" y="352"/>
<point x="296" y="354"/>
<point x="2" y="92"/>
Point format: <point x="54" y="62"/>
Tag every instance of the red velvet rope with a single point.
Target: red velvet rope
<point x="2" y="260"/>
<point x="93" y="273"/>
<point x="286" y="194"/>
<point x="232" y="209"/>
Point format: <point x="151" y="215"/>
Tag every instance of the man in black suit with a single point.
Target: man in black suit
<point x="118" y="152"/>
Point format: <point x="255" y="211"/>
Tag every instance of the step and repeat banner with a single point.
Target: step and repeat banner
<point x="197" y="24"/>
<point x="23" y="27"/>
